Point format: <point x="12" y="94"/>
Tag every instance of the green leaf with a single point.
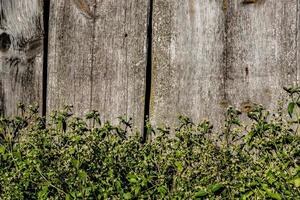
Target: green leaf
<point x="216" y="187"/>
<point x="252" y="184"/>
<point x="247" y="195"/>
<point x="133" y="178"/>
<point x="273" y="195"/>
<point x="179" y="166"/>
<point x="75" y="163"/>
<point x="162" y="190"/>
<point x="73" y="194"/>
<point x="270" y="193"/>
<point x="43" y="193"/>
<point x="127" y="196"/>
<point x="291" y="107"/>
<point x="137" y="190"/>
<point x="296" y="182"/>
<point x="82" y="175"/>
<point x="271" y="177"/>
<point x="2" y="149"/>
<point x="71" y="150"/>
<point x="67" y="197"/>
<point x="201" y="193"/>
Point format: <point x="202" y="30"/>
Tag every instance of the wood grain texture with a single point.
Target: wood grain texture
<point x="21" y="47"/>
<point x="98" y="62"/>
<point x="69" y="60"/>
<point x="119" y="71"/>
<point x="205" y="59"/>
<point x="261" y="51"/>
<point x="298" y="41"/>
<point x="188" y="60"/>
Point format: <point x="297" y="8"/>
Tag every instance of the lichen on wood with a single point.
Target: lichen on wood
<point x="84" y="8"/>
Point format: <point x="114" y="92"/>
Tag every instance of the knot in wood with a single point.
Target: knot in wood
<point x="4" y="42"/>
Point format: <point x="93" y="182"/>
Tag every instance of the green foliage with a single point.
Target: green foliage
<point x="74" y="158"/>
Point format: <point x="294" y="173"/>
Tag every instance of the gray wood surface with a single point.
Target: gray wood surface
<point x="261" y="52"/>
<point x="207" y="55"/>
<point x="188" y="60"/>
<point x="298" y="42"/>
<point x="97" y="57"/>
<point x="206" y="58"/>
<point x="21" y="47"/>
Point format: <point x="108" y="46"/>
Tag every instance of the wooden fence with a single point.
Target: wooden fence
<point x="147" y="57"/>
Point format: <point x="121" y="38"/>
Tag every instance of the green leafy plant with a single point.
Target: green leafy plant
<point x="74" y="158"/>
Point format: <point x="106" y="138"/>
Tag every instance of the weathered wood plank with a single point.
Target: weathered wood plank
<point x="119" y="71"/>
<point x="21" y="49"/>
<point x="261" y="51"/>
<point x="97" y="57"/>
<point x="298" y="41"/>
<point x="188" y="60"/>
<point x="69" y="59"/>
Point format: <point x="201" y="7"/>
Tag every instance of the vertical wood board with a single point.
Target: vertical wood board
<point x="69" y="60"/>
<point x="188" y="60"/>
<point x="21" y="54"/>
<point x="261" y="52"/>
<point x="97" y="57"/>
